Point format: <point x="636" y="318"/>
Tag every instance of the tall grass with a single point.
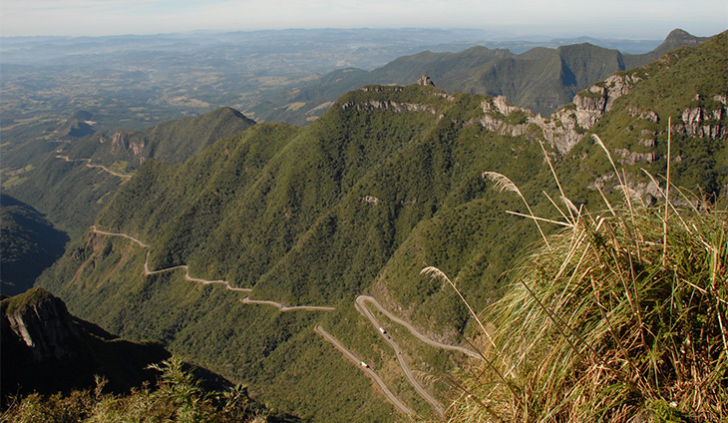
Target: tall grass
<point x="620" y="317"/>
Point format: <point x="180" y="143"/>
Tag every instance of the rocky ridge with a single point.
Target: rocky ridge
<point x="567" y="125"/>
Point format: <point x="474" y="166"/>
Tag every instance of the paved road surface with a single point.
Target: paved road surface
<point x="97" y="166"/>
<point x="186" y="268"/>
<point x="398" y="353"/>
<point x="371" y="373"/>
<point x="360" y="304"/>
<point x="360" y="300"/>
<point x="282" y="307"/>
<point x="95" y="230"/>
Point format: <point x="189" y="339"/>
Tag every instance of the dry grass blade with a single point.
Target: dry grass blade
<point x="502" y="183"/>
<point x="621" y="179"/>
<point x="667" y="187"/>
<point x="540" y="219"/>
<point x="556" y="178"/>
<point x="435" y="273"/>
<point x="570" y="205"/>
<point x="593" y="330"/>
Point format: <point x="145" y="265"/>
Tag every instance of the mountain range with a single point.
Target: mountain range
<point x="235" y="255"/>
<point x="541" y="79"/>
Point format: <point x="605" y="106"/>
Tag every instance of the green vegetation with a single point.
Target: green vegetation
<point x="46" y="350"/>
<point x="170" y="142"/>
<point x="540" y="79"/>
<point x="29" y="244"/>
<point x="72" y="194"/>
<point x="178" y="396"/>
<point x="388" y="181"/>
<point x="685" y="79"/>
<point x="282" y="210"/>
<point x="623" y="316"/>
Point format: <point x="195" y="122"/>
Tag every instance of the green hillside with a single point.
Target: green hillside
<point x="72" y="181"/>
<point x="29" y="244"/>
<point x="388" y="181"/>
<point x="170" y="142"/>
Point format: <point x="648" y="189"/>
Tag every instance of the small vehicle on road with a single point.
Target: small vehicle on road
<point x="363" y="364"/>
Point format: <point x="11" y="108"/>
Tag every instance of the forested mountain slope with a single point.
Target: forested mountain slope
<point x="387" y="182"/>
<point x="73" y="179"/>
<point x="29" y="244"/>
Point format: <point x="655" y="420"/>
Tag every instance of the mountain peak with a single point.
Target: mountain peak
<point x="680" y="38"/>
<point x="678" y="33"/>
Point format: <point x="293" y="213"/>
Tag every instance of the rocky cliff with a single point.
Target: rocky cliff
<point x="46" y="349"/>
<point x="705" y="118"/>
<point x="42" y="323"/>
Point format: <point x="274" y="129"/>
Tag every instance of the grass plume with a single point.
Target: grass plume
<point x="570" y="321"/>
<point x="619" y="318"/>
<point x="502" y="183"/>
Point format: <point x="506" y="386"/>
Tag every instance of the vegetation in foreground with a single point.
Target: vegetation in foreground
<point x="178" y="397"/>
<point x="621" y="317"/>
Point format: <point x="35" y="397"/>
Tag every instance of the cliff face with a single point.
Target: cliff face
<point x="44" y="326"/>
<point x="47" y="350"/>
<point x="705" y="120"/>
<point x="568" y="124"/>
<point x="121" y="141"/>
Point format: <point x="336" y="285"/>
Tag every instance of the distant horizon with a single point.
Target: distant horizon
<point x="519" y="19"/>
<point x="494" y="36"/>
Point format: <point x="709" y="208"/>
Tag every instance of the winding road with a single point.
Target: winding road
<point x="186" y="268"/>
<point x="371" y="373"/>
<point x="96" y="230"/>
<point x="97" y="166"/>
<point x="361" y="306"/>
<point x="360" y="300"/>
<point x="282" y="307"/>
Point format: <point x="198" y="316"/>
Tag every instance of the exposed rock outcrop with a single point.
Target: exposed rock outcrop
<point x="496" y="114"/>
<point x="45" y="349"/>
<point x="44" y="325"/>
<point x="630" y="158"/>
<point x="566" y="125"/>
<point x="369" y="199"/>
<point x="425" y="80"/>
<point x="705" y="121"/>
<point x="121" y="140"/>
<point x="389" y="105"/>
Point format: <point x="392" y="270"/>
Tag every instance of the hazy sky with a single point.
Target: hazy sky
<point x="647" y="19"/>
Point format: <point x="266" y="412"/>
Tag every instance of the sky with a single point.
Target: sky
<point x="635" y="19"/>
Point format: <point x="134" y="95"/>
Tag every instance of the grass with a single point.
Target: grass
<point x="619" y="317"/>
